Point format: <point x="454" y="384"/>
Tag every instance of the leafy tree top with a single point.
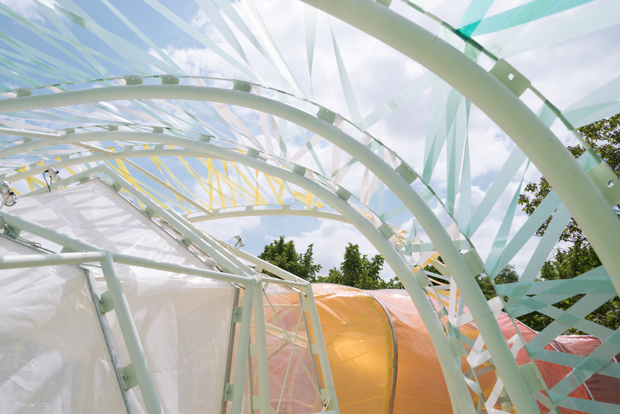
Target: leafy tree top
<point x="283" y="254"/>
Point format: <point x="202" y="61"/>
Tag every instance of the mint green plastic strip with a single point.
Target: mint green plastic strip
<point x="276" y="56"/>
<point x="167" y="13"/>
<point x="596" y="361"/>
<point x="583" y="110"/>
<point x="588" y="406"/>
<point x="533" y="223"/>
<point x="505" y="175"/>
<point x="464" y="217"/>
<point x="45" y="34"/>
<point x="174" y="68"/>
<point x="60" y="25"/>
<point x="446" y="123"/>
<point x="455" y="146"/>
<point x="475" y="12"/>
<point x="35" y="56"/>
<point x="403" y="97"/>
<point x="347" y="88"/>
<point x="526" y="13"/>
<point x="310" y="20"/>
<point x="226" y="7"/>
<point x="220" y="24"/>
<point x="501" y="238"/>
<point x="547" y="242"/>
<point x="569" y="27"/>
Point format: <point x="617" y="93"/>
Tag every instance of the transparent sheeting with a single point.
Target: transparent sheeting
<point x="293" y="379"/>
<point x="53" y="355"/>
<point x="184" y="322"/>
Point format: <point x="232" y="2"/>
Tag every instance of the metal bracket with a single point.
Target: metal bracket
<point x="510" y="77"/>
<point x="422" y="279"/>
<point x="406" y="172"/>
<point x="22" y="92"/>
<point x="342" y="193"/>
<point x="298" y="169"/>
<point x="242" y="86"/>
<point x="474" y="262"/>
<point x="128" y="376"/>
<point x="133" y="80"/>
<point x="105" y="302"/>
<point x="204" y="138"/>
<point x="149" y="212"/>
<point x="187" y="242"/>
<point x="169" y="80"/>
<point x="531" y="377"/>
<point x="457" y="347"/>
<point x="326" y="115"/>
<point x="607" y="182"/>
<point x="228" y="392"/>
<point x="253" y="350"/>
<point x="238" y="314"/>
<point x="252" y="153"/>
<point x="116" y="186"/>
<point x="386" y="231"/>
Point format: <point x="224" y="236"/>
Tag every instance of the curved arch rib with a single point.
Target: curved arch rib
<point x="478" y="306"/>
<point x="452" y="373"/>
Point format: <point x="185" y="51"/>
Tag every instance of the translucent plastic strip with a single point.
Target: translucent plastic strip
<point x="310" y="20"/>
<point x="220" y="24"/>
<point x="273" y="49"/>
<point x="407" y="94"/>
<point x="504" y="177"/>
<point x="175" y="69"/>
<point x="227" y="8"/>
<point x="548" y="241"/>
<point x="570" y="27"/>
<point x="502" y="234"/>
<point x="526" y="13"/>
<point x="347" y="87"/>
<point x="168" y="14"/>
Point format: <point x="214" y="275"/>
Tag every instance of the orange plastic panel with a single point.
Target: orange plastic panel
<point x="360" y="348"/>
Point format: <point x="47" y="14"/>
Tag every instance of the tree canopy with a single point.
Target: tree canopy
<point x="284" y="255"/>
<point x="604" y="138"/>
<point x="356" y="270"/>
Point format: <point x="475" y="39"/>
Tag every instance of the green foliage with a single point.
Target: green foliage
<point x="284" y="255"/>
<point x="604" y="138"/>
<point x="507" y="275"/>
<point x="359" y="271"/>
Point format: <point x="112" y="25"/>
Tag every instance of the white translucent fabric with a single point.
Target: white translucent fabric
<point x="184" y="322"/>
<point x="53" y="355"/>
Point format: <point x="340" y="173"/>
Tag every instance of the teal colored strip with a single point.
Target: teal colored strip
<point x="547" y="242"/>
<point x="526" y="13"/>
<point x="347" y="87"/>
<point x="464" y="217"/>
<point x="310" y="20"/>
<point x="220" y="24"/>
<point x="501" y="237"/>
<point x="167" y="13"/>
<point x="505" y="175"/>
<point x="475" y="12"/>
<point x="174" y="68"/>
<point x="234" y="17"/>
<point x="403" y="97"/>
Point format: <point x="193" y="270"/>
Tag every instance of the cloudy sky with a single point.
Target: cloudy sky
<point x="566" y="55"/>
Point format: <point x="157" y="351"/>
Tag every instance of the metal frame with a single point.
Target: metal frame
<point x="139" y="366"/>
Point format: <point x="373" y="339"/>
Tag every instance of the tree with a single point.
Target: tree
<point x="284" y="255"/>
<point x="507" y="275"/>
<point x="358" y="271"/>
<point x="604" y="138"/>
